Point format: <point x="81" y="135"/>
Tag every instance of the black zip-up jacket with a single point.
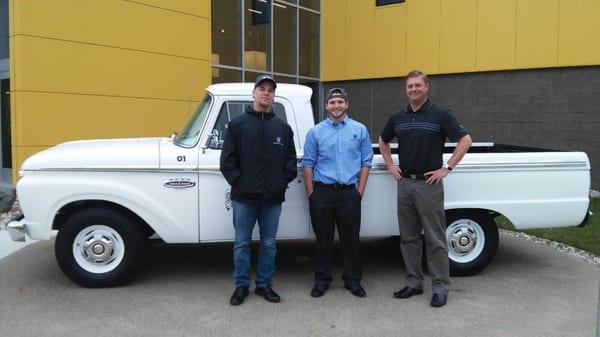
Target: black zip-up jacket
<point x="258" y="158"/>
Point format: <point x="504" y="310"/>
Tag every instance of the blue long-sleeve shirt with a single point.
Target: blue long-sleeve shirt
<point x="337" y="151"/>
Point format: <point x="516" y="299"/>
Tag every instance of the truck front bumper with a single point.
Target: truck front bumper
<point x="16" y="228"/>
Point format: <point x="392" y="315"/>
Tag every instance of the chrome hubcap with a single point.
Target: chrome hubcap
<point x="98" y="249"/>
<point x="463" y="239"/>
<point x="466" y="240"/>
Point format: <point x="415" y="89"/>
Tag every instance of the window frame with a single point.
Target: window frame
<point x="210" y="144"/>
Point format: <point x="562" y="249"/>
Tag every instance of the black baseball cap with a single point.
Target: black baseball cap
<point x="335" y="93"/>
<point x="264" y="77"/>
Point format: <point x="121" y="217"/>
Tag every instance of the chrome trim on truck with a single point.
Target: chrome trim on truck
<point x="16" y="228"/>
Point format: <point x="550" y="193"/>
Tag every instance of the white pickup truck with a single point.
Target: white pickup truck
<point x="106" y="197"/>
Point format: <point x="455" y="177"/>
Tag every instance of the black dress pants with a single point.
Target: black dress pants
<point x="331" y="208"/>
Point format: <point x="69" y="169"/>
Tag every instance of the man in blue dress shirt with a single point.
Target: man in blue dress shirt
<point x="337" y="158"/>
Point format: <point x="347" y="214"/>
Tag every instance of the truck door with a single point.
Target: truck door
<point x="214" y="192"/>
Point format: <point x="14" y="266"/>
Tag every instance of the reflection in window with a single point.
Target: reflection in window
<point x="309" y="44"/>
<point x="257" y="36"/>
<point x="226" y="33"/>
<point x="285" y="79"/>
<point x="284" y="38"/>
<point x="191" y="131"/>
<point x="224" y="75"/>
<point x="312" y="4"/>
<point x="231" y="110"/>
<point x="278" y="37"/>
<point x="251" y="76"/>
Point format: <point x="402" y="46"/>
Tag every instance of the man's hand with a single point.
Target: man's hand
<point x="435" y="177"/>
<point x="395" y="171"/>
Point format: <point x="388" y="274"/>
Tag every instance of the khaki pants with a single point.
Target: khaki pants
<point x="421" y="209"/>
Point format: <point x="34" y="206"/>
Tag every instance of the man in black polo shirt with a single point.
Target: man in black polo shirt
<point x="421" y="129"/>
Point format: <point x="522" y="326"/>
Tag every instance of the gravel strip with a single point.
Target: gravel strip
<point x="4" y="217"/>
<point x="582" y="254"/>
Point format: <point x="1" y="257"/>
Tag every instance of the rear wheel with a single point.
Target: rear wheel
<point x="472" y="239"/>
<point x="98" y="247"/>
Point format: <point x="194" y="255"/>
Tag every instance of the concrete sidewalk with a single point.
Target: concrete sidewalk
<point x="8" y="246"/>
<point x="528" y="290"/>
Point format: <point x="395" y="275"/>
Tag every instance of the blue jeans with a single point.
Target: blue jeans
<point x="244" y="218"/>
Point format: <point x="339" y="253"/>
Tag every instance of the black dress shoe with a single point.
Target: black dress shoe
<point x="356" y="290"/>
<point x="268" y="293"/>
<point x="318" y="290"/>
<point x="439" y="300"/>
<point x="407" y="292"/>
<point x="238" y="296"/>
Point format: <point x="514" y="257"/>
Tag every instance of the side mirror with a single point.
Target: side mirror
<point x="213" y="140"/>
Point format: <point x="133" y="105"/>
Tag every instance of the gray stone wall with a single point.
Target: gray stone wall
<point x="556" y="108"/>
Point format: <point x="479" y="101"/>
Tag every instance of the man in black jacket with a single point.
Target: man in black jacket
<point x="258" y="160"/>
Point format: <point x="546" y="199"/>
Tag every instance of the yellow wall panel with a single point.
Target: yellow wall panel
<point x="458" y="35"/>
<point x="579" y="35"/>
<point x="423" y="35"/>
<point x="117" y="23"/>
<point x="46" y="119"/>
<point x="496" y="34"/>
<point x="333" y="39"/>
<point x="359" y="39"/>
<point x="193" y="7"/>
<point x="537" y="33"/>
<point x="70" y="67"/>
<point x="390" y="41"/>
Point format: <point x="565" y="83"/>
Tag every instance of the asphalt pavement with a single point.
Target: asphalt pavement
<point x="183" y="290"/>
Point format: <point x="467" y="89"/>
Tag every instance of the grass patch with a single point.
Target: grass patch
<point x="586" y="238"/>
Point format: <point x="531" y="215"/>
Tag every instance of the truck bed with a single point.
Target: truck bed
<point x="485" y="148"/>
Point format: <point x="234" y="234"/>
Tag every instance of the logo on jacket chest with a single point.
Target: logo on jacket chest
<point x="278" y="141"/>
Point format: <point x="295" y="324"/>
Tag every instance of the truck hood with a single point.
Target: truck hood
<point x="114" y="154"/>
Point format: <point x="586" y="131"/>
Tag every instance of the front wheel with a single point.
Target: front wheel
<point x="98" y="247"/>
<point x="472" y="239"/>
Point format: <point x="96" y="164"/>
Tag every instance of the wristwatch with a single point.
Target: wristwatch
<point x="447" y="167"/>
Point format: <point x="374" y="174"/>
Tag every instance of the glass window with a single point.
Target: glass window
<point x="309" y="44"/>
<point x="284" y="38"/>
<point x="312" y="4"/>
<point x="189" y="135"/>
<point x="251" y="76"/>
<point x="226" y="32"/>
<point x="277" y="37"/>
<point x="223" y="75"/>
<point x="4" y="53"/>
<point x="257" y="38"/>
<point x="285" y="79"/>
<point x="229" y="111"/>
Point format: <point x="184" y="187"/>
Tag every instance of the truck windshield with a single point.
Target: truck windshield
<point x="189" y="135"/>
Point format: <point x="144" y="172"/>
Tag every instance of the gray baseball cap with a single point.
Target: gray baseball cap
<point x="335" y="93"/>
<point x="264" y="77"/>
